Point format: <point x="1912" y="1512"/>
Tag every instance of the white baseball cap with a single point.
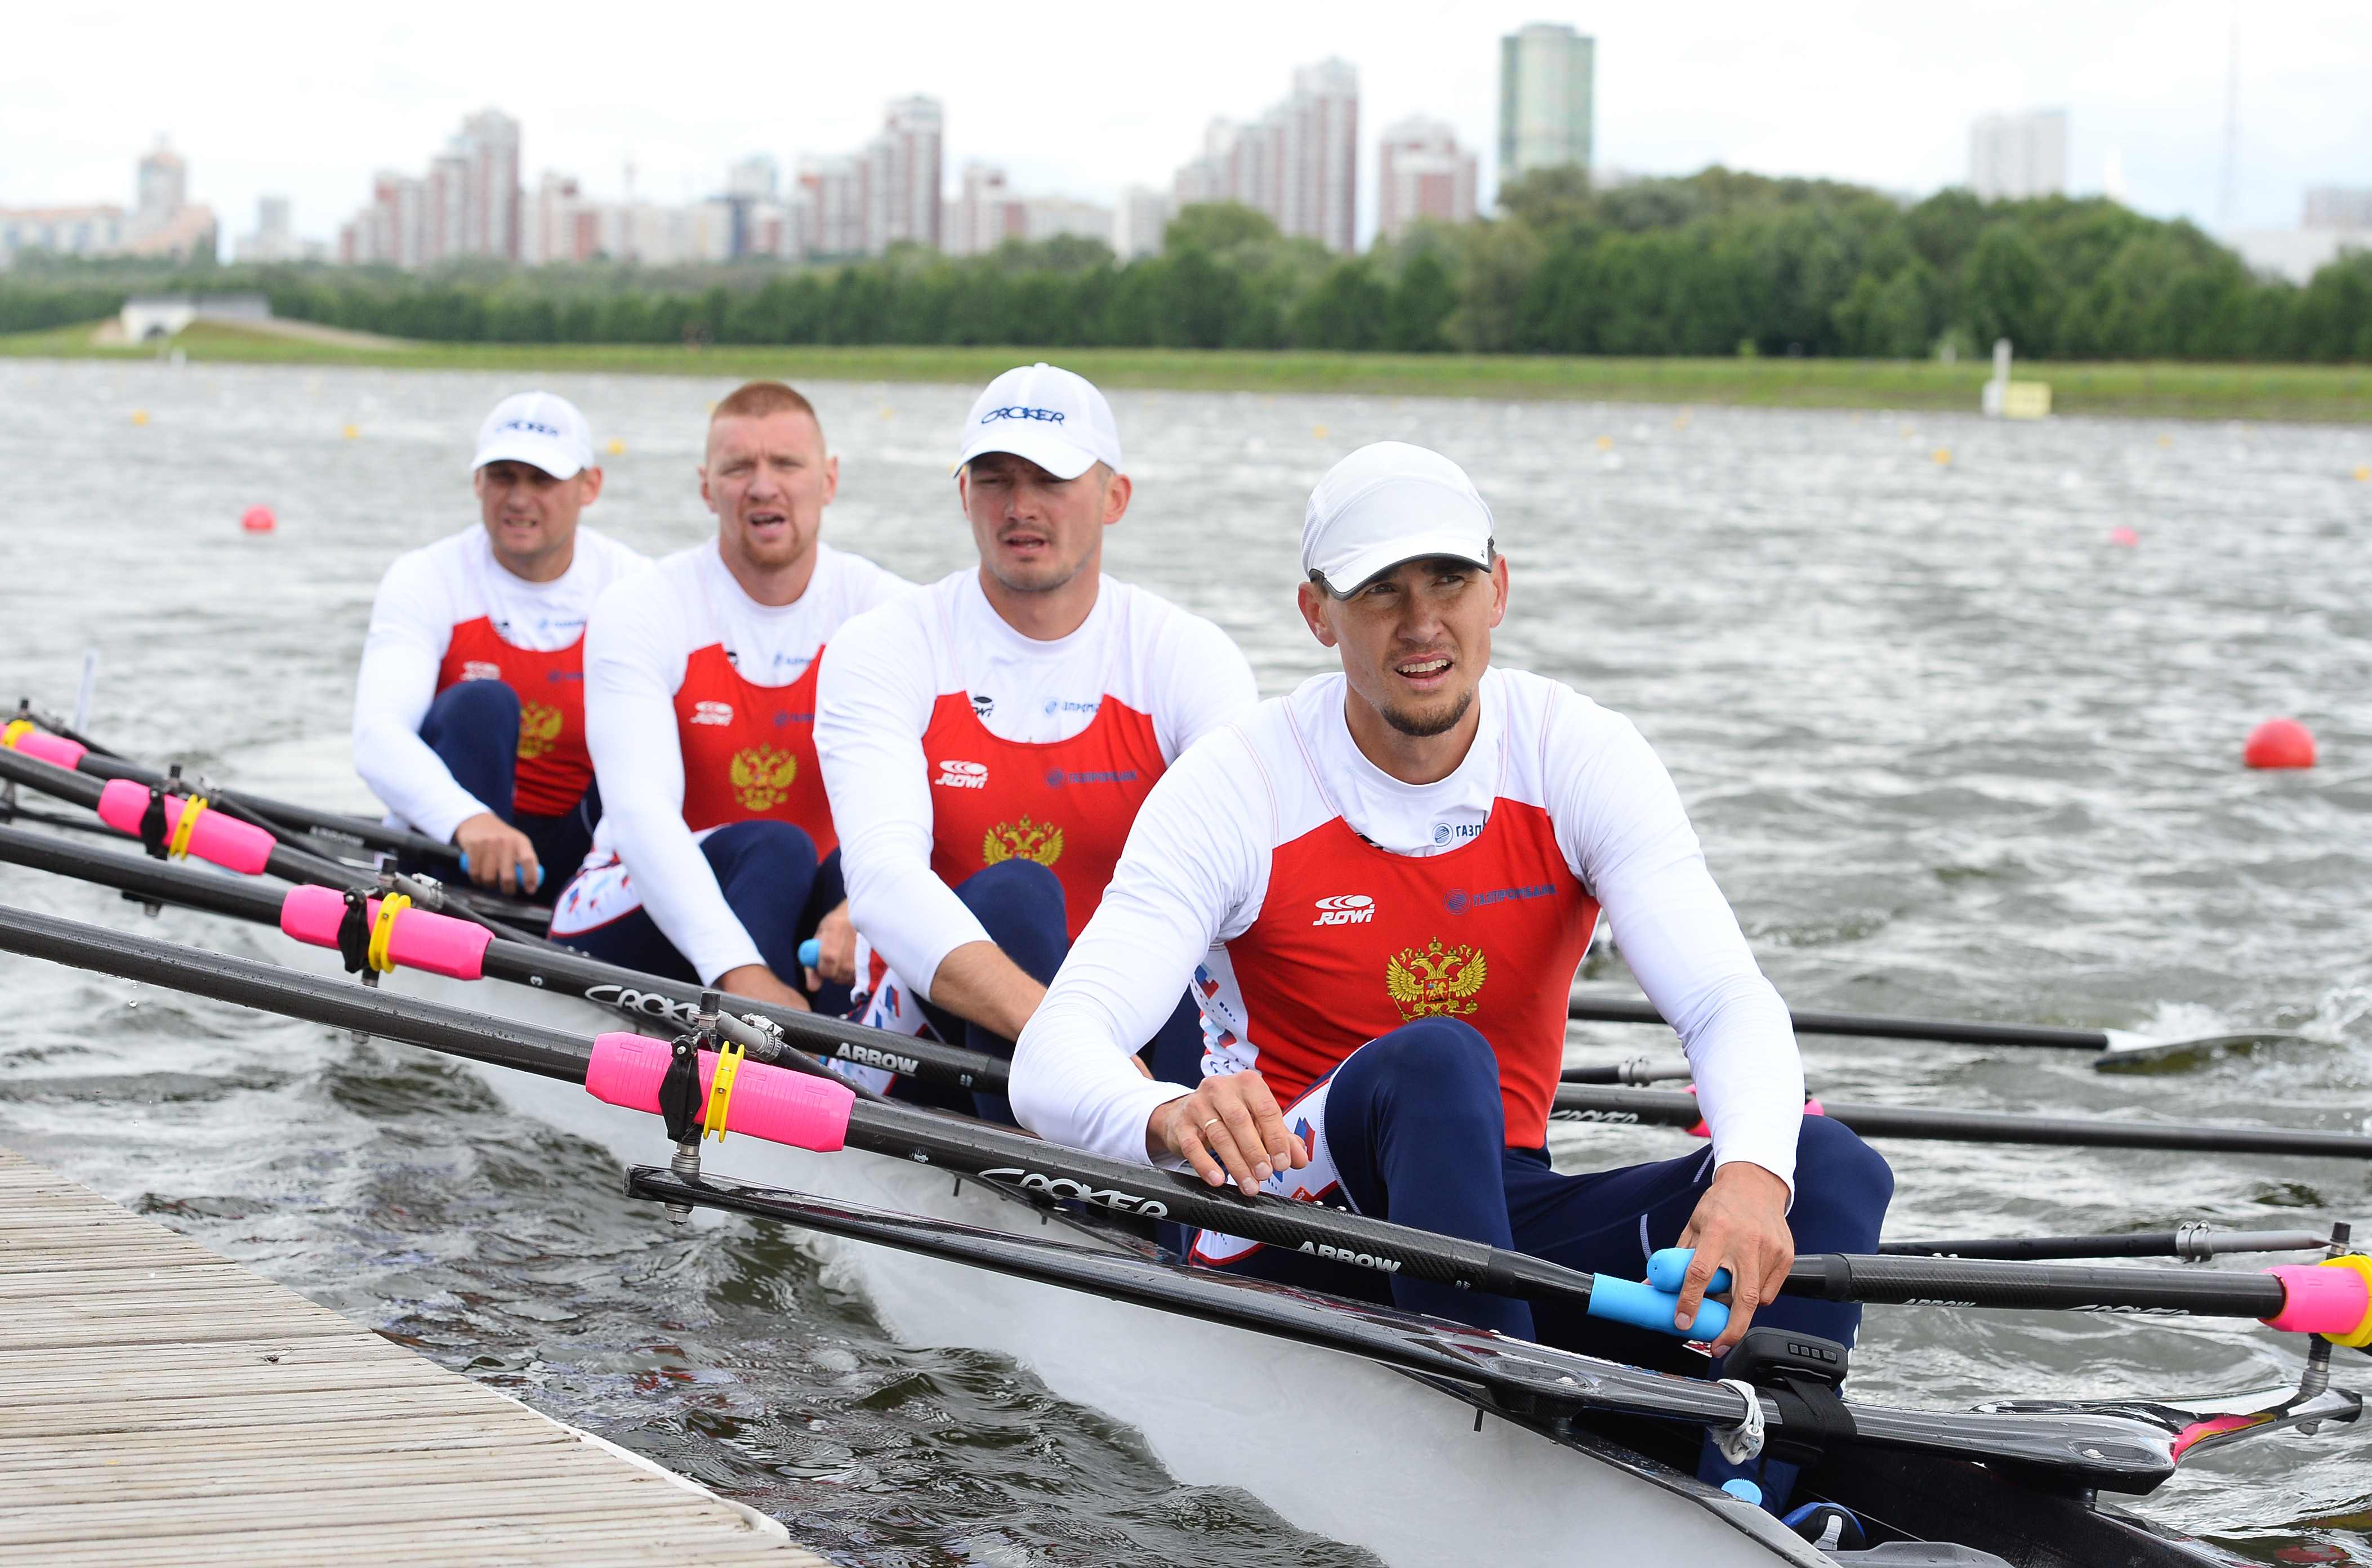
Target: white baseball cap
<point x="1053" y="418"/>
<point x="541" y="429"/>
<point x="1387" y="504"/>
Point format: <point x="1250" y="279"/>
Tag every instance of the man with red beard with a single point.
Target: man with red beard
<point x="717" y="855"/>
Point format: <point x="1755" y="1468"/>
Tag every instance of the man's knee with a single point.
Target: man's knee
<point x="1842" y="1186"/>
<point x="1019" y="904"/>
<point x="1444" y="1064"/>
<point x="475" y="706"/>
<point x="761" y="844"/>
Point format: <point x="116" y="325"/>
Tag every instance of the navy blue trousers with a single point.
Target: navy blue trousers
<point x="776" y="888"/>
<point x="474" y="728"/>
<point x="1418" y="1130"/>
<point x="1019" y="903"/>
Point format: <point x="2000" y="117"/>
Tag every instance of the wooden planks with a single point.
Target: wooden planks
<point x="161" y="1404"/>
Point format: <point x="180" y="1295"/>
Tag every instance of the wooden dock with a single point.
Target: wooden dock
<point x="161" y="1404"/>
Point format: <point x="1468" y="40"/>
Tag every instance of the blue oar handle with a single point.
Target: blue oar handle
<point x="1666" y="1268"/>
<point x="809" y="951"/>
<point x="1643" y="1306"/>
<point x="539" y="872"/>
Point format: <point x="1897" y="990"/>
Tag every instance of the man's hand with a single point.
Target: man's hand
<point x="836" y="955"/>
<point x="500" y="855"/>
<point x="1739" y="1224"/>
<point x="757" y="980"/>
<point x="1229" y="1127"/>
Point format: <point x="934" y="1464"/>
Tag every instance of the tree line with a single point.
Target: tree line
<point x="1718" y="263"/>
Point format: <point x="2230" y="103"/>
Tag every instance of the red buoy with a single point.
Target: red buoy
<point x="2123" y="535"/>
<point x="2279" y="743"/>
<point x="258" y="519"/>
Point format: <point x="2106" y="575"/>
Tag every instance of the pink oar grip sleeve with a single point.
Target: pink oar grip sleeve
<point x="55" y="750"/>
<point x="422" y="939"/>
<point x="223" y="839"/>
<point x="772" y="1103"/>
<point x="2321" y="1300"/>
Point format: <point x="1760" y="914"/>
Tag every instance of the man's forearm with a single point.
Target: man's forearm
<point x="977" y="981"/>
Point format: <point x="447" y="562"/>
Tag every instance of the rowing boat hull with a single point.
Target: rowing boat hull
<point x="1352" y="1451"/>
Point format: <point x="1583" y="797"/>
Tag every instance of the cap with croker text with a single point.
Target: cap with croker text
<point x="1387" y="504"/>
<point x="1053" y="417"/>
<point x="541" y="429"/>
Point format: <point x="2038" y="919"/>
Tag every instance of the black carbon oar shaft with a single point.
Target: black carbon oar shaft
<point x="1652" y="1107"/>
<point x="1619" y="1010"/>
<point x="1837" y="1276"/>
<point x="975" y="1149"/>
<point x="2146" y="1244"/>
<point x="280" y="814"/>
<point x="653" y="997"/>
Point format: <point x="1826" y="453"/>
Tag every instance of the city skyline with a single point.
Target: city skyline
<point x="2144" y="82"/>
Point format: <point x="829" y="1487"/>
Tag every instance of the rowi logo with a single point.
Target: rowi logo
<point x="479" y="669"/>
<point x="1025" y="840"/>
<point x="540" y="725"/>
<point x="962" y="775"/>
<point x="712" y="712"/>
<point x="761" y="777"/>
<point x="1346" y="908"/>
<point x="1439" y="983"/>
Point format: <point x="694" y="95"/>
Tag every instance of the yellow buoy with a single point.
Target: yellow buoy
<point x="1605" y="443"/>
<point x="352" y="431"/>
<point x="2363" y="473"/>
<point x="1318" y="431"/>
<point x="140" y="416"/>
<point x="1942" y="454"/>
<point x="2164" y="439"/>
<point x="616" y="445"/>
<point x="888" y="412"/>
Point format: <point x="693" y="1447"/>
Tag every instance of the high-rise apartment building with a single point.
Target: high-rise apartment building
<point x="1138" y="223"/>
<point x="1298" y="163"/>
<point x="272" y="239"/>
<point x="900" y="173"/>
<point x="469" y="204"/>
<point x="985" y="214"/>
<point x="1421" y="173"/>
<point x="2014" y="158"/>
<point x="835" y="198"/>
<point x="1547" y="82"/>
<point x="2334" y="206"/>
<point x="162" y="190"/>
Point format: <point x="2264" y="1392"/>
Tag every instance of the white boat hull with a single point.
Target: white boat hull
<point x="1338" y="1446"/>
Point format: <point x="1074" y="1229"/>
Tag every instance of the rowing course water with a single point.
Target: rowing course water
<point x="1951" y="750"/>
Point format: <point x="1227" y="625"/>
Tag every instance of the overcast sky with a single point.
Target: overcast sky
<point x="1079" y="99"/>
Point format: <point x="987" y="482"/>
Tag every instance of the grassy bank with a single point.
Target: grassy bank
<point x="2170" y="390"/>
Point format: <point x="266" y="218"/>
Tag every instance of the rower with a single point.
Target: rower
<point x="1381" y="886"/>
<point x="988" y="743"/>
<point x="717" y="855"/>
<point x="469" y="704"/>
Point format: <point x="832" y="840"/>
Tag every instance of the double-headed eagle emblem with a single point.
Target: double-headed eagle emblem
<point x="1025" y="840"/>
<point x="1437" y="983"/>
<point x="539" y="726"/>
<point x="761" y="777"/>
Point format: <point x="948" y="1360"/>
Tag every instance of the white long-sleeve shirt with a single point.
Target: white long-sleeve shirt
<point x="1196" y="874"/>
<point x="425" y="595"/>
<point x="887" y="672"/>
<point x="642" y="634"/>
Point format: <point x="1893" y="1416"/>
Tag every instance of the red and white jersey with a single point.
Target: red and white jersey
<point x="951" y="742"/>
<point x="1318" y="902"/>
<point x="699" y="711"/>
<point x="450" y="612"/>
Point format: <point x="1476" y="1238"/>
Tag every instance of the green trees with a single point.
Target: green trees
<point x="1707" y="265"/>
